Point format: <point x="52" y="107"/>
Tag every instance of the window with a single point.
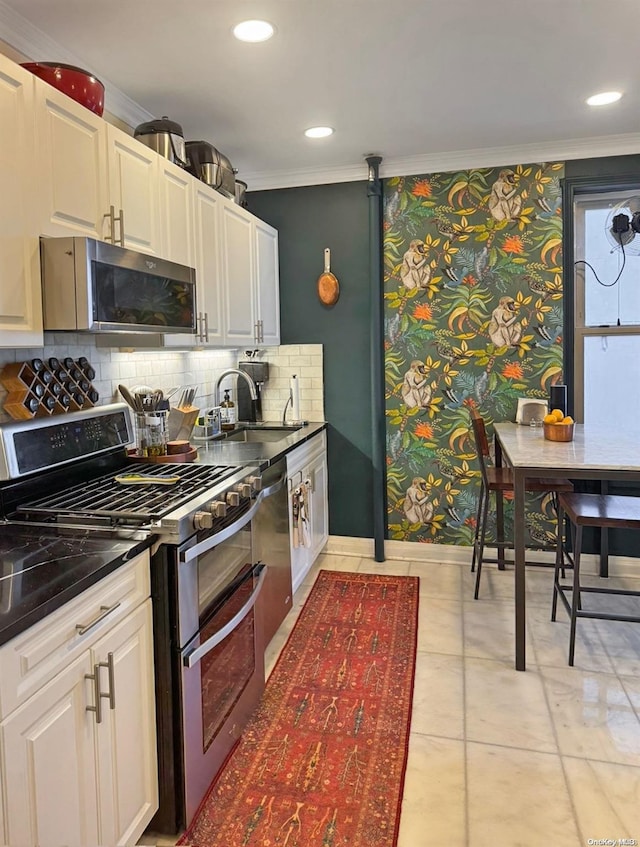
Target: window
<point x="606" y="349"/>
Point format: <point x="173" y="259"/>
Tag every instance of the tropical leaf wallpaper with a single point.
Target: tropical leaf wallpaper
<point x="473" y="318"/>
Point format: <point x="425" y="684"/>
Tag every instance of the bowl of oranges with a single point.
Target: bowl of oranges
<point x="558" y="426"/>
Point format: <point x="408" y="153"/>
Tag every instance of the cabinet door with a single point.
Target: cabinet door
<point x="71" y="157"/>
<point x="267" y="283"/>
<point x="50" y="766"/>
<point x="127" y="755"/>
<point x="20" y="299"/>
<point x="238" y="275"/>
<point x="300" y="556"/>
<point x="207" y="210"/>
<point x="133" y="188"/>
<point x="176" y="208"/>
<point x="319" y="511"/>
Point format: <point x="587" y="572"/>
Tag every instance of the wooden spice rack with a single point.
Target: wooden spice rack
<point x="38" y="389"/>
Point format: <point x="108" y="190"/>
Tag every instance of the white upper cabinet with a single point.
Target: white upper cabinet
<point x="20" y="299"/>
<point x="134" y="193"/>
<point x="92" y="179"/>
<point x="267" y="283"/>
<point x="175" y="188"/>
<point x="250" y="278"/>
<point x="70" y="156"/>
<point x="238" y="276"/>
<point x="207" y="213"/>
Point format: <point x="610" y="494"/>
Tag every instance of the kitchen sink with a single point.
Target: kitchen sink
<point x="259" y="435"/>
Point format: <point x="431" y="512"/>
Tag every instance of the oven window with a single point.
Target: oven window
<point x="219" y="567"/>
<point x="229" y="667"/>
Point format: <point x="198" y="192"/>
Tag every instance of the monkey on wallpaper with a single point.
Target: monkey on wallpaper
<point x="415" y="271"/>
<point x="416" y="507"/>
<point x="505" y="203"/>
<point x="504" y="328"/>
<point x="415" y="389"/>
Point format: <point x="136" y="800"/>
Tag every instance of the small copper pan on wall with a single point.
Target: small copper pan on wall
<point x="328" y="285"/>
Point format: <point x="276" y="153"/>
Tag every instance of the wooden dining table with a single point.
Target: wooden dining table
<point x="596" y="453"/>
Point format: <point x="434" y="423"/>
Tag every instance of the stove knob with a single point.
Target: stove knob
<point x="233" y="498"/>
<point x="245" y="489"/>
<point x="256" y="482"/>
<point x="218" y="508"/>
<point x="203" y="520"/>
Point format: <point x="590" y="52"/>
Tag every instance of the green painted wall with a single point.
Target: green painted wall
<point x="308" y="220"/>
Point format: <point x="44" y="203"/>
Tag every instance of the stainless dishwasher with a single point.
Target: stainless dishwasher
<point x="271" y="544"/>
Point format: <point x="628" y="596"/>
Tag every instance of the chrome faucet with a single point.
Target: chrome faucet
<point x="252" y="386"/>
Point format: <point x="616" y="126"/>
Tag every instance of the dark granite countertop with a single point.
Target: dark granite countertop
<point x="43" y="568"/>
<point x="223" y="452"/>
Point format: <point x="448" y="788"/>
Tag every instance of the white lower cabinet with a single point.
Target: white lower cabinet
<point x="126" y="737"/>
<point x="50" y="766"/>
<point x="79" y="759"/>
<point x="307" y="466"/>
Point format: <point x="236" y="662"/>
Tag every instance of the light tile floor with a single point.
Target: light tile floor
<point x="499" y="758"/>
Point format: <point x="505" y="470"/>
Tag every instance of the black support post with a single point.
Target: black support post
<point x="374" y="193"/>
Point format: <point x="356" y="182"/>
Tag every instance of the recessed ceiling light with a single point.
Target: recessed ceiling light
<point x="318" y="132"/>
<point x="604" y="98"/>
<point x="253" y="31"/>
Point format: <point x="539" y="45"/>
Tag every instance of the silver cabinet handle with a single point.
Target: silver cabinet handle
<point x="194" y="657"/>
<point x="256" y="331"/>
<point x="122" y="227"/>
<point x="121" y="219"/>
<point x="111" y="694"/>
<point x="95" y="676"/>
<point x="205" y="316"/>
<point x="82" y="629"/>
<point x="111" y="214"/>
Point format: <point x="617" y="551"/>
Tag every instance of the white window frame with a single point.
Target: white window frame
<point x="582" y="200"/>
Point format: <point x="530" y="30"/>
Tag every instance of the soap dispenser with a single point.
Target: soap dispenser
<point x="227" y="412"/>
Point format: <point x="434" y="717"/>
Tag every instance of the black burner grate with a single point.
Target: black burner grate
<point x="105" y="499"/>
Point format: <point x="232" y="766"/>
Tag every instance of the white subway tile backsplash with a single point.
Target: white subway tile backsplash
<point x="166" y="369"/>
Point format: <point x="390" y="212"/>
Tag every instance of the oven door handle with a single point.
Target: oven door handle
<point x="192" y="658"/>
<point x="219" y="537"/>
<point x="275" y="486"/>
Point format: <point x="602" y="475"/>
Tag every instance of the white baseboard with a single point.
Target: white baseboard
<point x="455" y="554"/>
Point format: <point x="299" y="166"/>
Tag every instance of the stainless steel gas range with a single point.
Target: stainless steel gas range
<point x="73" y="471"/>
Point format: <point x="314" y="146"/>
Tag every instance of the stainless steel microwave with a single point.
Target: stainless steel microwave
<point x="92" y="286"/>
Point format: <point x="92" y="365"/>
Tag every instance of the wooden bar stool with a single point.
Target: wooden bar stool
<point x="499" y="481"/>
<point x="600" y="510"/>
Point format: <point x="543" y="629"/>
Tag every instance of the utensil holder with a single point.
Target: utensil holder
<point x="152" y="433"/>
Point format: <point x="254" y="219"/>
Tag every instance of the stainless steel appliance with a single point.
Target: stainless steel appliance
<point x="165" y="137"/>
<point x="209" y="651"/>
<point x="241" y="192"/>
<point x="99" y="287"/>
<point x="271" y="538"/>
<point x="211" y="166"/>
<point x="249" y="409"/>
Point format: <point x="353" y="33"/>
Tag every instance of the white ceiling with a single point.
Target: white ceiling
<point x="406" y="80"/>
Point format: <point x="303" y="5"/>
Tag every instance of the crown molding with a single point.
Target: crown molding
<point x="487" y="157"/>
<point x="37" y="46"/>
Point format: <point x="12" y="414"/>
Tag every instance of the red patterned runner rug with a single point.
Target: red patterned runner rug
<point x="323" y="760"/>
